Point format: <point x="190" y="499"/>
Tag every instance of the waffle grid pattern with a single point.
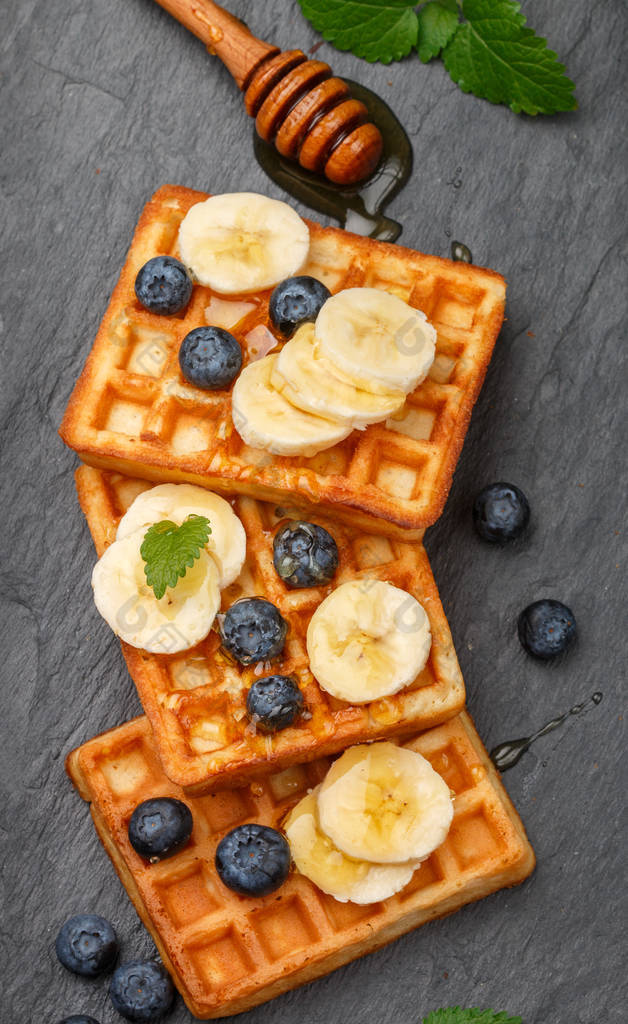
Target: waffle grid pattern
<point x="227" y="952"/>
<point x="196" y="700"/>
<point x="132" y="410"/>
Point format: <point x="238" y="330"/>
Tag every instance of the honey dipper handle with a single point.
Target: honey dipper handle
<point x="240" y="51"/>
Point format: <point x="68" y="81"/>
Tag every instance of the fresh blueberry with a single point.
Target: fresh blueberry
<point x="274" y="702"/>
<point x="305" y="555"/>
<point x="78" y="1018"/>
<point x="546" y="628"/>
<point x="500" y="512"/>
<point x="160" y="828"/>
<point x="163" y="286"/>
<point x="210" y="358"/>
<point x="253" y="630"/>
<point x="141" y="990"/>
<point x="87" y="945"/>
<point x="253" y="860"/>
<point x="296" y="301"/>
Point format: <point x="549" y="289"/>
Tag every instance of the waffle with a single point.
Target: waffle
<point x="196" y="700"/>
<point x="132" y="411"/>
<point x="227" y="953"/>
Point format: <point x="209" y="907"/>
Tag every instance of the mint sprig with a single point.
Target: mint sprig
<point x="486" y="45"/>
<point x="456" y="1015"/>
<point x="168" y="551"/>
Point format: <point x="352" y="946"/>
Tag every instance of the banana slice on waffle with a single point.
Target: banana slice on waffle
<point x="312" y="382"/>
<point x="179" y="620"/>
<point x="242" y="242"/>
<point x="227" y="541"/>
<point x="376" y="339"/>
<point x="367" y="640"/>
<point x="264" y="418"/>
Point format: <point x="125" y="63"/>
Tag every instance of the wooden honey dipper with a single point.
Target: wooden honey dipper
<point x="298" y="105"/>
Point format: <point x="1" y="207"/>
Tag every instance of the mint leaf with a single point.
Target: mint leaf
<point x="496" y="57"/>
<point x="381" y="30"/>
<point x="438" y="21"/>
<point x="169" y="550"/>
<point x="456" y="1015"/>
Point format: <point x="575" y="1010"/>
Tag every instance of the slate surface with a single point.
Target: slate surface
<point x="102" y="103"/>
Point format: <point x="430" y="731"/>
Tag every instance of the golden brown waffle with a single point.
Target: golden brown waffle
<point x="196" y="700"/>
<point x="227" y="953"/>
<point x="132" y="411"/>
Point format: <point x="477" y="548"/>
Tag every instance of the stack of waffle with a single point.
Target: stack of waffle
<point x="133" y="419"/>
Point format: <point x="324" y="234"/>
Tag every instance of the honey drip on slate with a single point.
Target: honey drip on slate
<point x="507" y="755"/>
<point x="360" y="207"/>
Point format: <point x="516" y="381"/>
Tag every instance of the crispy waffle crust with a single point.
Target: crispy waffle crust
<point x="132" y="411"/>
<point x="196" y="700"/>
<point x="227" y="953"/>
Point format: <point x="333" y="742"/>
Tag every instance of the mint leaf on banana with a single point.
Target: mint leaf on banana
<point x="169" y="550"/>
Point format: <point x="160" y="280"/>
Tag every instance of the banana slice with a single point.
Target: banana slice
<point x="311" y="382"/>
<point x="379" y="341"/>
<point x="345" y="879"/>
<point x="385" y="804"/>
<point x="243" y="242"/>
<point x="367" y="640"/>
<point x="179" y="620"/>
<point x="227" y="541"/>
<point x="265" y="419"/>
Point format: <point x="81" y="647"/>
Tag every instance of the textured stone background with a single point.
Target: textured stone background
<point x="103" y="102"/>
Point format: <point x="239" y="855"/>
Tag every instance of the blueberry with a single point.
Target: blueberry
<point x="500" y="512"/>
<point x="78" y="1018"/>
<point x="546" y="628"/>
<point x="163" y="286"/>
<point x="274" y="702"/>
<point x="296" y="301"/>
<point x="253" y="630"/>
<point x="305" y="555"/>
<point x="141" y="990"/>
<point x="210" y="358"/>
<point x="87" y="945"/>
<point x="160" y="827"/>
<point x="253" y="860"/>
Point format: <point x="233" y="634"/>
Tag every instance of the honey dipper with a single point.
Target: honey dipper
<point x="298" y="105"/>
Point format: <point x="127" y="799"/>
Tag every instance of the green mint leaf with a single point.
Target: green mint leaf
<point x="169" y="550"/>
<point x="383" y="30"/>
<point x="456" y="1015"/>
<point x="496" y="57"/>
<point x="438" y="21"/>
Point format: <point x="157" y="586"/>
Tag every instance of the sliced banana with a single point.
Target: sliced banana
<point x="243" y="242"/>
<point x="385" y="804"/>
<point x="367" y="640"/>
<point x="179" y="620"/>
<point x="227" y="541"/>
<point x="340" y="876"/>
<point x="378" y="340"/>
<point x="311" y="382"/>
<point x="265" y="419"/>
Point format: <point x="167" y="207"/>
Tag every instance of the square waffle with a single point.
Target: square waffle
<point x="132" y="411"/>
<point x="228" y="953"/>
<point x="195" y="700"/>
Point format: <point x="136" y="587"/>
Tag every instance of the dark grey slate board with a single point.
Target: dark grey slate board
<point x="103" y="102"/>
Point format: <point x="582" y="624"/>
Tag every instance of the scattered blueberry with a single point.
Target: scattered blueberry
<point x="78" y="1018"/>
<point x="274" y="702"/>
<point x="160" y="827"/>
<point x="87" y="945"/>
<point x="210" y="358"/>
<point x="546" y="628"/>
<point x="296" y="301"/>
<point x="500" y="512"/>
<point x="305" y="555"/>
<point x="253" y="630"/>
<point x="141" y="990"/>
<point x="163" y="286"/>
<point x="253" y="860"/>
